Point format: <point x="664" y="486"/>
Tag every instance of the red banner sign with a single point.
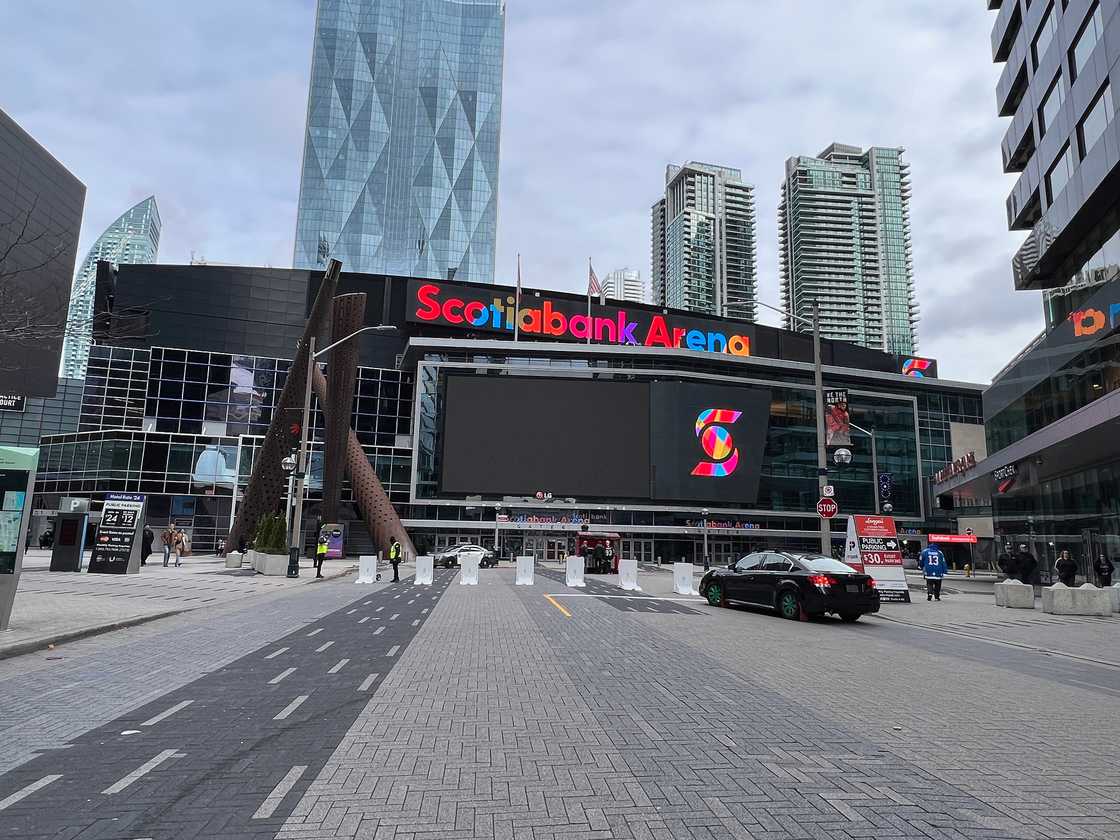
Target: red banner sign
<point x="952" y="538"/>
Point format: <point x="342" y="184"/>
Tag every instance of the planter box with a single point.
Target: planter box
<point x="275" y="565"/>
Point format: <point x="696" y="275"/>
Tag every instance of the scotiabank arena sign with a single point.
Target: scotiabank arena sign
<point x="557" y="319"/>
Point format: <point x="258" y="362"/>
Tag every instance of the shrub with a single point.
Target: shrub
<point x="271" y="536"/>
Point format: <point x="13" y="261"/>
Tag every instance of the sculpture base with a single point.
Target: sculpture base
<point x="1084" y="600"/>
<point x="1014" y="595"/>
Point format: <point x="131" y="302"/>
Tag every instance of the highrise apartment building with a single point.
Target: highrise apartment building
<point x="844" y="231"/>
<point x="133" y="238"/>
<point x="400" y="160"/>
<point x="625" y="284"/>
<point x="704" y="250"/>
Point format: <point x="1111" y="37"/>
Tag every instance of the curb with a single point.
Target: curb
<point x="32" y="645"/>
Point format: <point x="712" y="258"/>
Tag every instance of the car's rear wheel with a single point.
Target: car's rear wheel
<point x="849" y="618"/>
<point x="715" y="595"/>
<point x="789" y="605"/>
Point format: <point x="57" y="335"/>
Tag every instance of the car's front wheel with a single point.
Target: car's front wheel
<point x="714" y="594"/>
<point x="789" y="605"/>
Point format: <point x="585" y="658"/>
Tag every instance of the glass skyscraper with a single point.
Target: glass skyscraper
<point x="400" y="160"/>
<point x="844" y="226"/>
<point x="132" y="238"/>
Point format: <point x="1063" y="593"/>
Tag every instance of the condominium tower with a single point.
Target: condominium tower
<point x="704" y="248"/>
<point x="844" y="230"/>
<point x="625" y="284"/>
<point x="132" y="238"/>
<point x="400" y="159"/>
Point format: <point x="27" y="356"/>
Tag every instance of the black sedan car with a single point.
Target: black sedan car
<point x="795" y="585"/>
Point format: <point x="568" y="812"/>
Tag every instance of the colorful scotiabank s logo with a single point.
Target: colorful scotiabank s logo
<point x="916" y="367"/>
<point x="716" y="442"/>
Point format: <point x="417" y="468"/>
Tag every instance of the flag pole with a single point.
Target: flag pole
<point x="590" y="271"/>
<point x="517" y="301"/>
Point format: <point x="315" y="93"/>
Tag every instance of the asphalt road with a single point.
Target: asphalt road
<point x="229" y="754"/>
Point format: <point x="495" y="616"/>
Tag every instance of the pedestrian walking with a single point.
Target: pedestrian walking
<point x="1066" y="567"/>
<point x="179" y="547"/>
<point x="167" y="539"/>
<point x="146" y="541"/>
<point x="1103" y="567"/>
<point x="320" y="555"/>
<point x="395" y="559"/>
<point x="934" y="568"/>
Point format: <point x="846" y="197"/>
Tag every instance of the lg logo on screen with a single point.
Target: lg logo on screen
<point x="716" y="442"/>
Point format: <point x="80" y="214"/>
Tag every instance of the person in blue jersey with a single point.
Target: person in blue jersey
<point x="934" y="567"/>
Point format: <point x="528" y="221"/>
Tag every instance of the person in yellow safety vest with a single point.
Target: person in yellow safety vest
<point x="395" y="560"/>
<point x="320" y="556"/>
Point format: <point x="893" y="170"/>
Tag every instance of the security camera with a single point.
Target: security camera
<point x="288" y="464"/>
<point x="842" y="456"/>
<point x="888" y="507"/>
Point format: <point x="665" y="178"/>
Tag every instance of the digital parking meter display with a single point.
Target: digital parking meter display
<point x="13" y="497"/>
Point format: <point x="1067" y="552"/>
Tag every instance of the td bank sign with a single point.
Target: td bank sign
<point x="559" y="319"/>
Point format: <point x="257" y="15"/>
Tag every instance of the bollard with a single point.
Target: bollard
<point x="573" y="572"/>
<point x="425" y="571"/>
<point x="524" y="571"/>
<point x="468" y="569"/>
<point x="628" y="575"/>
<point x="367" y="568"/>
<point x="682" y="579"/>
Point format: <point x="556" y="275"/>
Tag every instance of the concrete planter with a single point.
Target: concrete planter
<point x="1014" y="595"/>
<point x="1114" y="593"/>
<point x="1084" y="600"/>
<point x="275" y="565"/>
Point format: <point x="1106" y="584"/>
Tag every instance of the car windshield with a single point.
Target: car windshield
<point x="826" y="564"/>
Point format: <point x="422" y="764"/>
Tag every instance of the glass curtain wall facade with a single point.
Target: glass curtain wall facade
<point x="704" y="248"/>
<point x="844" y="230"/>
<point x="132" y="238"/>
<point x="400" y="163"/>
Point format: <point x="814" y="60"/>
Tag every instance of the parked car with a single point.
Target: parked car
<point x="793" y="584"/>
<point x="450" y="557"/>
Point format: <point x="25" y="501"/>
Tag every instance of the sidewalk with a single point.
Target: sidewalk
<point x="51" y="608"/>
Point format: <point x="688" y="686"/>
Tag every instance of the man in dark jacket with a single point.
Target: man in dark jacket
<point x="1103" y="567"/>
<point x="1025" y="564"/>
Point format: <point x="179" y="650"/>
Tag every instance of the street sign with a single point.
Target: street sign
<point x="873" y="547"/>
<point x="828" y="491"/>
<point x="827" y="508"/>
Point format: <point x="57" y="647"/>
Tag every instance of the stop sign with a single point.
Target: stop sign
<point x="827" y="508"/>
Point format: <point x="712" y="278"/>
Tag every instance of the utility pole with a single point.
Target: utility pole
<point x="822" y="454"/>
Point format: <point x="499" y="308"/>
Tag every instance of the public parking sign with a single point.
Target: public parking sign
<point x="827" y="508"/>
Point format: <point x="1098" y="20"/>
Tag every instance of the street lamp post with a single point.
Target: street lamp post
<point x="295" y="542"/>
<point x="707" y="564"/>
<point x="874" y="462"/>
<point x="497" y="511"/>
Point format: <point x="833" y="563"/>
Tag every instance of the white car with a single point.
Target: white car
<point x="452" y="556"/>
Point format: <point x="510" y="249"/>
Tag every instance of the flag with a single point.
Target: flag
<point x="594" y="287"/>
<point x="517" y="300"/>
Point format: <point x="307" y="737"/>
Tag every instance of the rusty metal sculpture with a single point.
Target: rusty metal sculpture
<point x="344" y="315"/>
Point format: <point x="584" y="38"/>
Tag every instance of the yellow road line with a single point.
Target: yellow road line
<point x="556" y="604"/>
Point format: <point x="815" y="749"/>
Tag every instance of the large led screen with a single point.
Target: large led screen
<point x="656" y="441"/>
<point x="516" y="435"/>
<point x="707" y="441"/>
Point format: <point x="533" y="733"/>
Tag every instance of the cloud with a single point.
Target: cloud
<point x="204" y="103"/>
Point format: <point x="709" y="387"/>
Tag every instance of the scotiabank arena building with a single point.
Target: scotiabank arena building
<point x="625" y="418"/>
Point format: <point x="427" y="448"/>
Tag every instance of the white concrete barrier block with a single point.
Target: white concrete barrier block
<point x="524" y="571"/>
<point x="1084" y="600"/>
<point x="682" y="579"/>
<point x="425" y="571"/>
<point x="468" y="569"/>
<point x="573" y="572"/>
<point x="1014" y="595"/>
<point x="1114" y="594"/>
<point x="367" y="568"/>
<point x="628" y="575"/>
<point x="274" y="565"/>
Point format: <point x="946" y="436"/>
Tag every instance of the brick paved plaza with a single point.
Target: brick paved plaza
<point x="398" y="711"/>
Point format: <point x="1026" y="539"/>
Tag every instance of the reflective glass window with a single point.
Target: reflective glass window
<point x="1095" y="121"/>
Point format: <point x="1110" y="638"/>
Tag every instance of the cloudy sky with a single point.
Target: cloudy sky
<point x="203" y="104"/>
